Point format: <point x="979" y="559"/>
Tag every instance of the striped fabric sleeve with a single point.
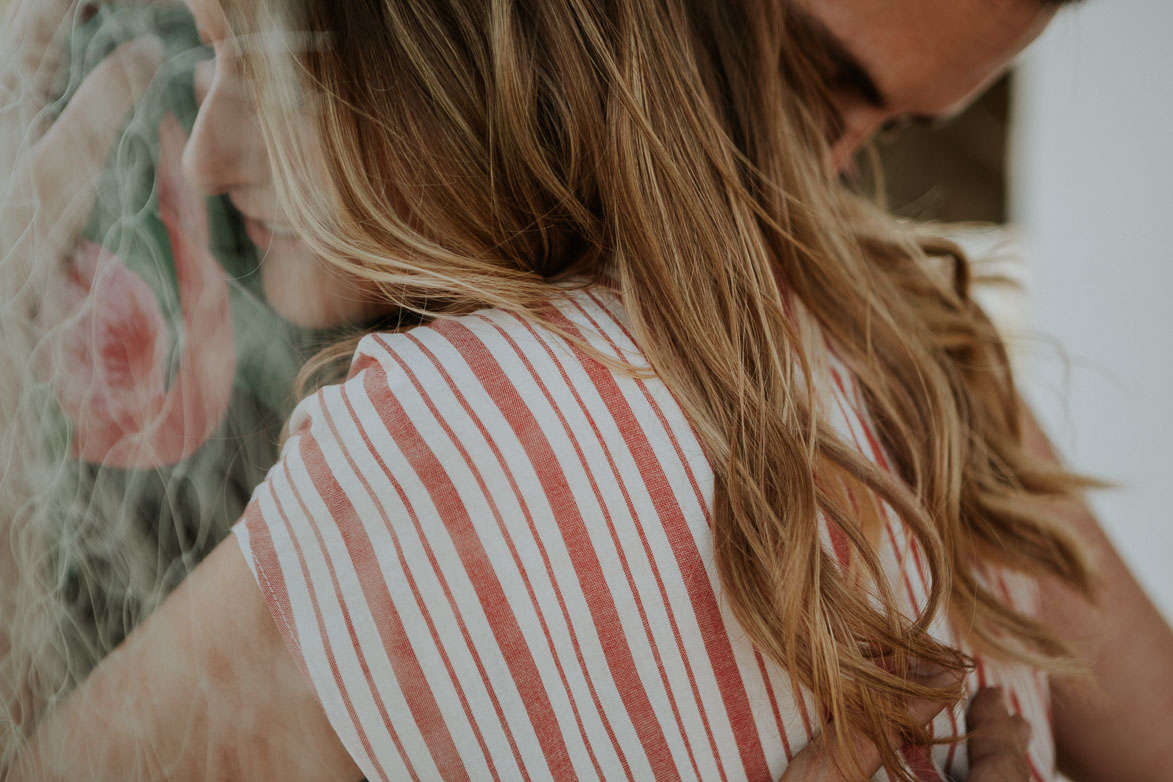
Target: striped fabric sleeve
<point x="415" y="543"/>
<point x="492" y="559"/>
<point x="492" y="564"/>
<point x="381" y="543"/>
<point x="326" y="536"/>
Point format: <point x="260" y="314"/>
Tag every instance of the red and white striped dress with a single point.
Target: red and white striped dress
<point x="491" y="555"/>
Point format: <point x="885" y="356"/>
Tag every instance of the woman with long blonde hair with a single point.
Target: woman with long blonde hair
<point x="698" y="460"/>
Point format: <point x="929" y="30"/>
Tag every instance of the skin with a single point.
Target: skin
<point x="926" y="60"/>
<point x="205" y="688"/>
<point x="1114" y="725"/>
<point x="226" y="156"/>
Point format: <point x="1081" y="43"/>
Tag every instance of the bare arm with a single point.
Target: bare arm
<point x="204" y="690"/>
<point x="1117" y="727"/>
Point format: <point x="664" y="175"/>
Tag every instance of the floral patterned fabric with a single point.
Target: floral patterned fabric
<point x="171" y="374"/>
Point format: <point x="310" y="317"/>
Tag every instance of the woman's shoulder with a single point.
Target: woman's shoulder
<point x="577" y="347"/>
<point x="595" y="315"/>
<point x="488" y="351"/>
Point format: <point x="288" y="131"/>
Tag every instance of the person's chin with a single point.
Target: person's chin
<point x="270" y="242"/>
<point x="287" y="277"/>
<point x="300" y="288"/>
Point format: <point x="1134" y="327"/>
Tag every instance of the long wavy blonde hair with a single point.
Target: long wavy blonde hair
<point x="480" y="150"/>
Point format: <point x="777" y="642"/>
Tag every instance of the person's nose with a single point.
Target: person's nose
<point x="224" y="150"/>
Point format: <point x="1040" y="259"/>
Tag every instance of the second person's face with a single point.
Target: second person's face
<point x="226" y="155"/>
<point x="891" y="61"/>
<point x="895" y="61"/>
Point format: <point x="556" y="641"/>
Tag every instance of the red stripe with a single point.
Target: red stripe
<point x="1034" y="771"/>
<point x="859" y="417"/>
<point x="774" y="705"/>
<point x="838" y="538"/>
<point x="417" y="595"/>
<point x="387" y="620"/>
<point x="622" y="557"/>
<point x="322" y="478"/>
<point x="862" y="418"/>
<point x="522" y="568"/>
<point x="745" y="718"/>
<point x="691" y="563"/>
<point x="804" y="712"/>
<point x="981" y="671"/>
<point x="518" y="563"/>
<point x="327" y="646"/>
<point x="896" y="548"/>
<point x="950" y="756"/>
<point x="600" y="601"/>
<point x="920" y="763"/>
<point x="701" y="500"/>
<point x="1042" y="692"/>
<point x="479" y="568"/>
<point x="264" y="556"/>
<point x="881" y="459"/>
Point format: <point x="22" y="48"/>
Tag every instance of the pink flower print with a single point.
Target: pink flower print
<point x="113" y="351"/>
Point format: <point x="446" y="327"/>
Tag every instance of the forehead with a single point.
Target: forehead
<point x="928" y="56"/>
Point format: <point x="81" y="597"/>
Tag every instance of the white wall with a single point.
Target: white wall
<point x="1093" y="192"/>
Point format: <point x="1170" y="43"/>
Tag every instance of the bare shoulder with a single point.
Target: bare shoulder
<point x="207" y="684"/>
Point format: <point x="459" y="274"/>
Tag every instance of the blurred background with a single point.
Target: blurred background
<point x="1090" y="181"/>
<point x="1075" y="150"/>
